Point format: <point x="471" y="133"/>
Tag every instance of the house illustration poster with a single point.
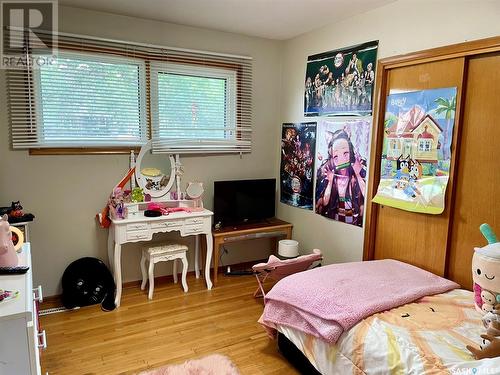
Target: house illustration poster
<point x="418" y="129"/>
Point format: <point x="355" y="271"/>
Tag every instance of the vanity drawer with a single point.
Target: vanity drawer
<point x="194" y="221"/>
<point x="137" y="226"/>
<point x="193" y="229"/>
<point x="138" y="235"/>
<point x="166" y="224"/>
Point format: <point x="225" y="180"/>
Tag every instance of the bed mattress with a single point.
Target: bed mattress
<point x="425" y="337"/>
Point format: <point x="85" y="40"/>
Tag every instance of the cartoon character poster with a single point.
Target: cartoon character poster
<point x="341" y="82"/>
<point x="298" y="143"/>
<point x="416" y="152"/>
<point x="341" y="167"/>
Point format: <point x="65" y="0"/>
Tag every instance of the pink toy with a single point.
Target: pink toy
<point x="486" y="273"/>
<point x="8" y="256"/>
<point x="276" y="269"/>
<point x="116" y="206"/>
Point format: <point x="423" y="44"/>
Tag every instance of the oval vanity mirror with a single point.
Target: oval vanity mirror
<point x="155" y="174"/>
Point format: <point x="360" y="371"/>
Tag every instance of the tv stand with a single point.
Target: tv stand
<point x="270" y="228"/>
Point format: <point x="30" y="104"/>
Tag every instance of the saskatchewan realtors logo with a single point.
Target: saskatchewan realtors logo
<point x="28" y="26"/>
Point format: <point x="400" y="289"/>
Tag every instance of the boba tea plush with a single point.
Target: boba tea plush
<point x="486" y="273"/>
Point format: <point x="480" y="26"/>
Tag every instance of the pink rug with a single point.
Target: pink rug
<point x="214" y="364"/>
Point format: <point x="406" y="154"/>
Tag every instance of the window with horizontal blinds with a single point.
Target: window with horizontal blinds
<point x="90" y="100"/>
<point x="106" y="93"/>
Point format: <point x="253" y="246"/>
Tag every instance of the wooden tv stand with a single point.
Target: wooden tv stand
<point x="270" y="228"/>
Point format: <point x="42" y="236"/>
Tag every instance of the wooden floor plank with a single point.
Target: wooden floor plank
<point x="173" y="327"/>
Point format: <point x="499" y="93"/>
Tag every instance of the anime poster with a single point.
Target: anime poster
<point x="341" y="167"/>
<point x="298" y="143"/>
<point x="341" y="82"/>
<point x="416" y="152"/>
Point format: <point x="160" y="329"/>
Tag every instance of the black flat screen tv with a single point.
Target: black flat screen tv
<point x="244" y="201"/>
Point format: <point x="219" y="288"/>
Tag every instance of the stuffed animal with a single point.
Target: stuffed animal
<point x="87" y="281"/>
<point x="486" y="272"/>
<point x="8" y="255"/>
<point x="486" y="277"/>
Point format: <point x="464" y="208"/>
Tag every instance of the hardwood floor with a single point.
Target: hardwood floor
<point x="172" y="328"/>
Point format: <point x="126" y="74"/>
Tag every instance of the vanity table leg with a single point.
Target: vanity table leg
<point x="197" y="255"/>
<point x="111" y="245"/>
<point x="209" y="259"/>
<point x="118" y="273"/>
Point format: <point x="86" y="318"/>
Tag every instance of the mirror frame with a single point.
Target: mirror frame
<point x="140" y="178"/>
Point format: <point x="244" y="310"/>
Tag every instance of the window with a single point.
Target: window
<point x="90" y="100"/>
<point x="192" y="103"/>
<point x="103" y="94"/>
<point x="194" y="109"/>
<point x="425" y="145"/>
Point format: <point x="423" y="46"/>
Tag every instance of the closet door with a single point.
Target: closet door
<point x="477" y="198"/>
<point x="418" y="239"/>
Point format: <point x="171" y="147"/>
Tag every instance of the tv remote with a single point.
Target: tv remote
<point x="13" y="270"/>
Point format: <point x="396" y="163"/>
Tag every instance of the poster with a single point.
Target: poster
<point x="416" y="153"/>
<point x="341" y="167"/>
<point x="341" y="82"/>
<point x="298" y="143"/>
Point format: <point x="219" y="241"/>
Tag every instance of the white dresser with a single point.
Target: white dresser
<point x="21" y="338"/>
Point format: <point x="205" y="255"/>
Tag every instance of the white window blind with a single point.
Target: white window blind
<point x="102" y="93"/>
<point x="201" y="104"/>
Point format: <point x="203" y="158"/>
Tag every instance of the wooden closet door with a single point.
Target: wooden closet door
<point x="477" y="198"/>
<point x="418" y="239"/>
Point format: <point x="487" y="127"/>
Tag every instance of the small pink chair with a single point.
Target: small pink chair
<point x="277" y="269"/>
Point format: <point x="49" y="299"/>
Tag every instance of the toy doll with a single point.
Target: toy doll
<point x="117" y="208"/>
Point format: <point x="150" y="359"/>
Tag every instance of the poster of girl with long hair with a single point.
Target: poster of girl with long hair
<point x="341" y="162"/>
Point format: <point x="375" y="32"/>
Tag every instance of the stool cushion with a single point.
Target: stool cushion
<point x="163" y="249"/>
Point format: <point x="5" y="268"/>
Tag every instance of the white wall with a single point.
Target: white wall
<point x="401" y="27"/>
<point x="65" y="192"/>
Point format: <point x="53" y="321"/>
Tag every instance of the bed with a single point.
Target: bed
<point x="426" y="336"/>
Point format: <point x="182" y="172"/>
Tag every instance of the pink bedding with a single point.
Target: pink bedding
<point x="326" y="301"/>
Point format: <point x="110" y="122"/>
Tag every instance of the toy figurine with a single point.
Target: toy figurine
<point x="8" y="256"/>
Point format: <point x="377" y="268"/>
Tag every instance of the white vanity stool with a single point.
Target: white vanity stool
<point x="163" y="253"/>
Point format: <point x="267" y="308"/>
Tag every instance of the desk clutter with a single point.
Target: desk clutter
<point x="152" y="196"/>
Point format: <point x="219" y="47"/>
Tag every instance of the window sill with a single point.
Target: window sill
<point x="84" y="151"/>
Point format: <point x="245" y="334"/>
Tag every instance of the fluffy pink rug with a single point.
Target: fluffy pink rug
<point x="214" y="364"/>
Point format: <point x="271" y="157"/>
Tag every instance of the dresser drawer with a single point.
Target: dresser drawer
<point x="137" y="226"/>
<point x="194" y="221"/>
<point x="166" y="224"/>
<point x="192" y="229"/>
<point x="138" y="235"/>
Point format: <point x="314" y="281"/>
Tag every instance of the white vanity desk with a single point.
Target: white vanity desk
<point x="140" y="228"/>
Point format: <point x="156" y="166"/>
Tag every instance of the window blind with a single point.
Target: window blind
<point x="186" y="101"/>
<point x="201" y="104"/>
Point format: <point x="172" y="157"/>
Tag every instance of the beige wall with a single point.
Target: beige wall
<point x="401" y="27"/>
<point x="65" y="192"/>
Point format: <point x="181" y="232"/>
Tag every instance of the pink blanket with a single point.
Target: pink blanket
<point x="326" y="301"/>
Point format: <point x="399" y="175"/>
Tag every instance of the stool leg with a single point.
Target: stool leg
<point x="151" y="278"/>
<point x="174" y="271"/>
<point x="143" y="271"/>
<point x="184" y="272"/>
